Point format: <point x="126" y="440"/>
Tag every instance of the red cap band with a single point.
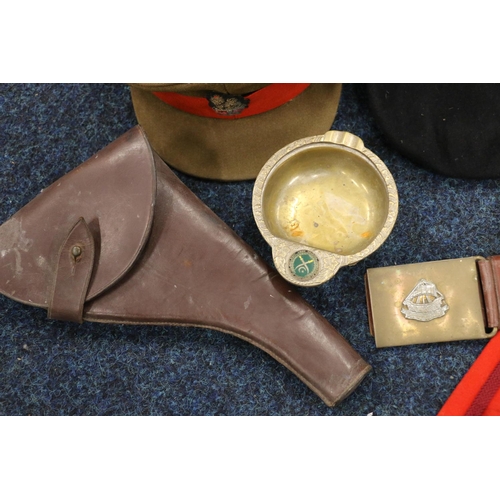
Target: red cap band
<point x="227" y="106"/>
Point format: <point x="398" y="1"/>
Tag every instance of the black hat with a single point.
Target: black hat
<point x="450" y="128"/>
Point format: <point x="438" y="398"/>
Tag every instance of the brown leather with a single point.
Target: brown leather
<point x="114" y="191"/>
<point x="163" y="257"/>
<point x="489" y="272"/>
<point x="74" y="269"/>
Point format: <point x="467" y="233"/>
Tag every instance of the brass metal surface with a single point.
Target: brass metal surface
<point x="427" y="302"/>
<point x="327" y="197"/>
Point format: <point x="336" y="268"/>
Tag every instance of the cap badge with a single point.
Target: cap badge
<point x="424" y="303"/>
<point x="227" y="104"/>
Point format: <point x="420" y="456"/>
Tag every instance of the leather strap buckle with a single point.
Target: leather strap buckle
<point x="427" y="302"/>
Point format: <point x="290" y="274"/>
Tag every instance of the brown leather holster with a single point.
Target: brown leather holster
<point x="120" y="239"/>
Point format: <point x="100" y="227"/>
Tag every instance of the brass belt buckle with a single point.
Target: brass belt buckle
<point x="427" y="302"/>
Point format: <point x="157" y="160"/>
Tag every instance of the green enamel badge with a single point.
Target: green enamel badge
<point x="304" y="264"/>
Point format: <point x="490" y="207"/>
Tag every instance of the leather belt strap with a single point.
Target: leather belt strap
<point x="489" y="271"/>
<point x="260" y="101"/>
<point x="74" y="270"/>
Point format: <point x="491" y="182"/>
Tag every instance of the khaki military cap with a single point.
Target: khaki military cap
<point x="228" y="131"/>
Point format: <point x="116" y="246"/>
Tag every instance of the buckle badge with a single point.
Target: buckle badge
<point x="424" y="303"/>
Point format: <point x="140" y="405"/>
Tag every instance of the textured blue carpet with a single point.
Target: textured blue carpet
<point x="51" y="368"/>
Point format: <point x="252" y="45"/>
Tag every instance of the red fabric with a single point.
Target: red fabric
<point x="478" y="393"/>
<point x="265" y="99"/>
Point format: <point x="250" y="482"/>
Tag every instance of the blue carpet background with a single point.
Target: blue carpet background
<point x="52" y="368"/>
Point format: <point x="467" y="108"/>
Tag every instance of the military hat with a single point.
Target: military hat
<point x="227" y="131"/>
<point x="449" y="128"/>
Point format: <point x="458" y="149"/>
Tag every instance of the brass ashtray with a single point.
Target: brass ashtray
<point x="323" y="202"/>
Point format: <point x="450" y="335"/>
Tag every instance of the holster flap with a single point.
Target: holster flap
<point x="114" y="192"/>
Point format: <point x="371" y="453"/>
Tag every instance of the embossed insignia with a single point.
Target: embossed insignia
<point x="227" y="104"/>
<point x="304" y="264"/>
<point x="424" y="303"/>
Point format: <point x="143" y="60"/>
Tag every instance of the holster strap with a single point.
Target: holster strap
<point x="73" y="273"/>
<point x="489" y="271"/>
